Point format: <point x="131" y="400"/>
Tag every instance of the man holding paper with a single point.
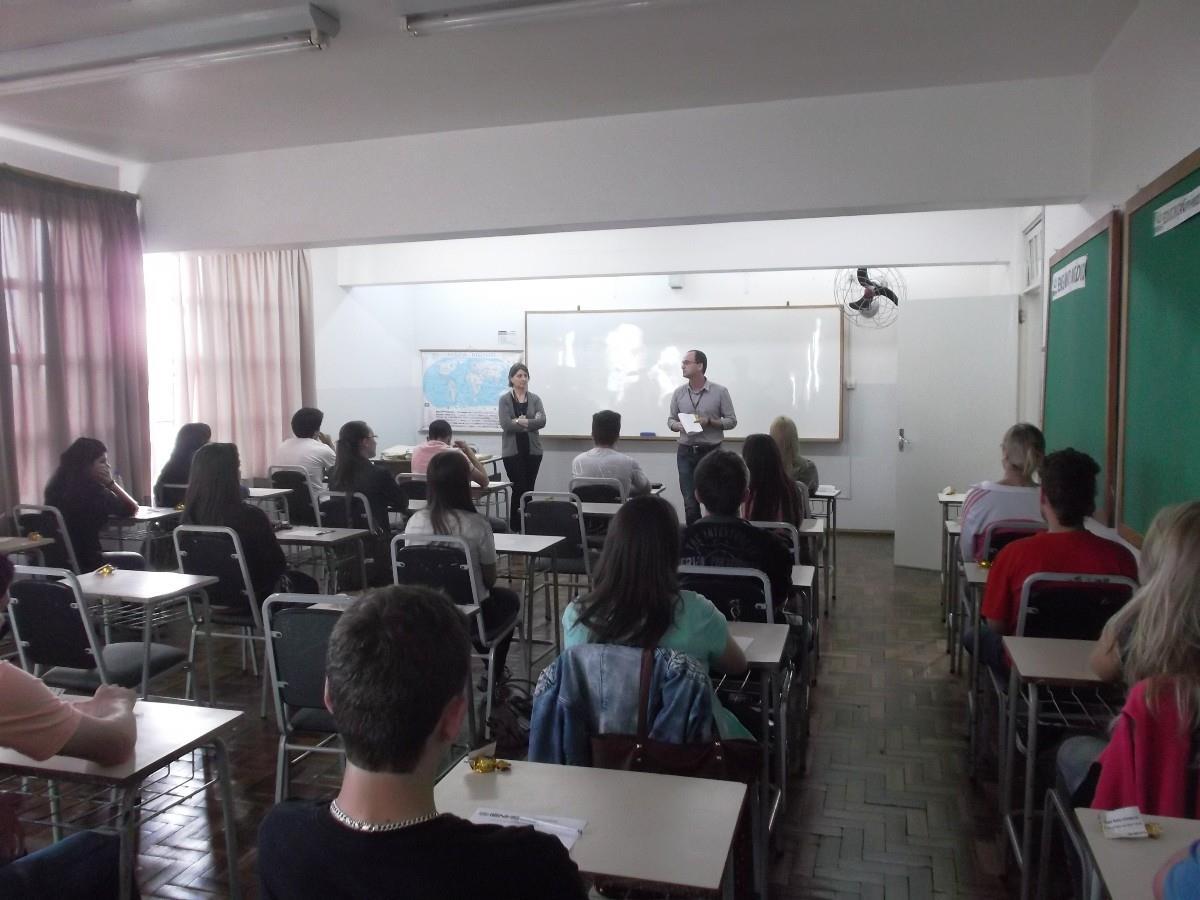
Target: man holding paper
<point x="701" y="412"/>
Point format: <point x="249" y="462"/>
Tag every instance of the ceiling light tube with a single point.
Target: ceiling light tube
<point x="179" y="45"/>
<point x="492" y="15"/>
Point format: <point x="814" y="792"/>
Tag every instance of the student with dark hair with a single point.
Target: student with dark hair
<point x="178" y="468"/>
<point x="603" y="461"/>
<point x="397" y="668"/>
<point x="772" y="495"/>
<point x="1068" y="496"/>
<point x="440" y="438"/>
<point x="451" y="511"/>
<point x="85" y="492"/>
<point x="37" y="722"/>
<point x="637" y="602"/>
<point x="521" y="416"/>
<point x="214" y="498"/>
<point x="309" y="448"/>
<point x="723" y="538"/>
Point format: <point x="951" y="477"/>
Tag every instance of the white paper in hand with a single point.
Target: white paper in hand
<point x="689" y="423"/>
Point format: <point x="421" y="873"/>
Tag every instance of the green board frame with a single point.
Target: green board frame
<point x="1160" y="362"/>
<point x="1080" y="382"/>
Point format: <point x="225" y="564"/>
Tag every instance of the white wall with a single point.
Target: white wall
<point x="984" y="145"/>
<point x="388" y="325"/>
<point x="32" y="153"/>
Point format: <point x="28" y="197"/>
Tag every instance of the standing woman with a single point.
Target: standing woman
<point x="86" y="494"/>
<point x="522" y="416"/>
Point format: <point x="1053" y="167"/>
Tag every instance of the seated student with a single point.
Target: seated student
<point x="38" y="723"/>
<point x="1068" y="496"/>
<point x="1015" y="496"/>
<point x="440" y="439"/>
<point x="85" y="493"/>
<point x="213" y="498"/>
<point x="309" y="448"/>
<point x="1152" y="644"/>
<point x="398" y="664"/>
<point x="637" y="601"/>
<point x="722" y="538"/>
<point x="772" y="495"/>
<point x="354" y="473"/>
<point x="191" y="437"/>
<point x="450" y="511"/>
<point x="783" y="432"/>
<point x="602" y="461"/>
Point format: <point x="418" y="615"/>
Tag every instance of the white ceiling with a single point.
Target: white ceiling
<point x="377" y="81"/>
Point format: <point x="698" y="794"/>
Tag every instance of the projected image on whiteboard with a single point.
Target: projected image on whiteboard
<point x="775" y="361"/>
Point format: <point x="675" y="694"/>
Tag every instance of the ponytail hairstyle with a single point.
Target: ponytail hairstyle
<point x="1024" y="449"/>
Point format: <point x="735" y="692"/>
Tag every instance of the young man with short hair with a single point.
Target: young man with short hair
<point x="40" y="724"/>
<point x="309" y="449"/>
<point x="722" y="537"/>
<point x="1068" y="481"/>
<point x="440" y="439"/>
<point x="602" y="461"/>
<point x="397" y="668"/>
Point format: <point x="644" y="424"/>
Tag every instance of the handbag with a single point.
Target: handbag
<point x="725" y="760"/>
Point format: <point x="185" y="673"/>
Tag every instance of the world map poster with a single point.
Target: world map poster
<point x="464" y="386"/>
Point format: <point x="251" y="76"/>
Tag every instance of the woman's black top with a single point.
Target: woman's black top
<point x="86" y="507"/>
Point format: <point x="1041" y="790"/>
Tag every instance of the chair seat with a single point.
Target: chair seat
<point x="124" y="664"/>
<point x="318" y="720"/>
<point x="567" y="566"/>
<point x="231" y="615"/>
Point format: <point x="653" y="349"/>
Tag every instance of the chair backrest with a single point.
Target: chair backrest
<point x="1069" y="605"/>
<point x="170" y="494"/>
<point x="297" y="637"/>
<point x="591" y="489"/>
<point x="302" y="508"/>
<point x="742" y="595"/>
<point x="217" y="552"/>
<point x="786" y="530"/>
<point x="50" y="621"/>
<point x="48" y="521"/>
<point x="414" y="485"/>
<point x="999" y="534"/>
<point x="560" y="515"/>
<point x="337" y="509"/>
<point x="441" y="561"/>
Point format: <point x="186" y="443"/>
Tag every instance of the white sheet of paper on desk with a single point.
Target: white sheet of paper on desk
<point x="1126" y="822"/>
<point x="565" y="829"/>
<point x="689" y="423"/>
<point x="743" y="642"/>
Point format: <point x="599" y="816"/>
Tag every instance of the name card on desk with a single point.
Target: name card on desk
<point x="1126" y="822"/>
<point x="566" y="830"/>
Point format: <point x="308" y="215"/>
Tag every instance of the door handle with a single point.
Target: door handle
<point x="902" y="442"/>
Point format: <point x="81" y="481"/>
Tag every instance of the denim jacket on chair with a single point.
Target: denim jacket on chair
<point x="593" y="689"/>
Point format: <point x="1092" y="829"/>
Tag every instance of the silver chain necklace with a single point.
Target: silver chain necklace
<point x="376" y="827"/>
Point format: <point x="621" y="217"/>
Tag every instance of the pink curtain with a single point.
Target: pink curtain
<point x="72" y="331"/>
<point x="245" y="347"/>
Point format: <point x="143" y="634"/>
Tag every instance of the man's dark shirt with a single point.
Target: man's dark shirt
<point x="304" y="852"/>
<point x="732" y="541"/>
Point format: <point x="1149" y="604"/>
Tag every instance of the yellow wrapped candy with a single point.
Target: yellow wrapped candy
<point x="106" y="569"/>
<point x="485" y="764"/>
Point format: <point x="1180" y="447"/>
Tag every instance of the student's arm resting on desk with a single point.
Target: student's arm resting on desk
<point x="638" y="482"/>
<point x="1000" y="604"/>
<point x="107" y="730"/>
<point x="732" y="660"/>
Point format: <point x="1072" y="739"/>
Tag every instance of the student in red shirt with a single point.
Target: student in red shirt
<point x="1068" y="479"/>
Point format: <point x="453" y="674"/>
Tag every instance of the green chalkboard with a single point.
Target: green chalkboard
<point x="1160" y="422"/>
<point x="1080" y="400"/>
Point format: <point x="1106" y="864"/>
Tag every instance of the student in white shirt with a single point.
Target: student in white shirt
<point x="310" y="448"/>
<point x="1015" y="496"/>
<point x="602" y="461"/>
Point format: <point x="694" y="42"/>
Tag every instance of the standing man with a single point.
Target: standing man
<point x="709" y="403"/>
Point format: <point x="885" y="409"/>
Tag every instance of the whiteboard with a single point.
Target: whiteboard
<point x="774" y="360"/>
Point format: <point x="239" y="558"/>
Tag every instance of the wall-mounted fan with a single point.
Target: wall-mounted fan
<point x="869" y="296"/>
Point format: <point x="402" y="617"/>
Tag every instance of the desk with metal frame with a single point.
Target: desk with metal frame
<point x="531" y="546"/>
<point x="828" y="494"/>
<point x="1127" y="867"/>
<point x="1039" y="664"/>
<point x="656" y="829"/>
<point x="327" y="540"/>
<point x="166" y="733"/>
<point x="145" y="591"/>
<point x="277" y="497"/>
<point x="148" y="518"/>
<point x="24" y="545"/>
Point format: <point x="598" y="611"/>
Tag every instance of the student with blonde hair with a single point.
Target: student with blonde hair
<point x="1015" y="496"/>
<point x="787" y="439"/>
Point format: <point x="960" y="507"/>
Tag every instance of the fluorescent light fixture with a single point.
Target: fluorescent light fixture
<point x="177" y="46"/>
<point x="509" y="14"/>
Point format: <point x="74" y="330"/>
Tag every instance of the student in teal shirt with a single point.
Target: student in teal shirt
<point x="637" y="602"/>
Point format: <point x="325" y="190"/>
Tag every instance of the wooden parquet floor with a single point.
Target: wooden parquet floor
<point x="884" y="810"/>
